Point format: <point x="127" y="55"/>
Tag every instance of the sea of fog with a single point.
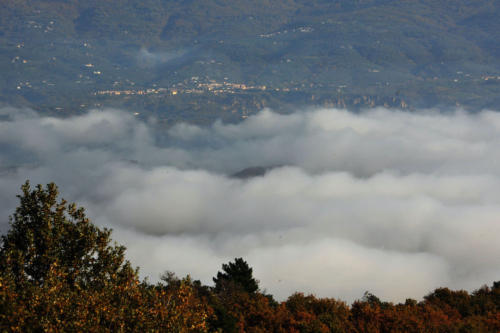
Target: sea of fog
<point x="391" y="202"/>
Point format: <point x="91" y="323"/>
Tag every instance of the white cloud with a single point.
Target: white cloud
<point x="396" y="203"/>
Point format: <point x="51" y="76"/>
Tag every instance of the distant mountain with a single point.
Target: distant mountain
<point x="201" y="60"/>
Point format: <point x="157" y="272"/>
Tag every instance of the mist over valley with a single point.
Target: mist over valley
<point x="408" y="199"/>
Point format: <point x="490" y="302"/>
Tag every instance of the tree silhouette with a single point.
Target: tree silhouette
<point x="236" y="274"/>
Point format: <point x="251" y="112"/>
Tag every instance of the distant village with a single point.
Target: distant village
<point x="195" y="85"/>
<point x="200" y="88"/>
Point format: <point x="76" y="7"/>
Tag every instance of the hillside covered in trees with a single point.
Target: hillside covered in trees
<point x="59" y="272"/>
<point x="202" y="60"/>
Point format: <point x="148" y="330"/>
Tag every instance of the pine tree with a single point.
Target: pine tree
<point x="236" y="274"/>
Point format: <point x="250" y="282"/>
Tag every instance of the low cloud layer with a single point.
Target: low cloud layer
<point x="392" y="202"/>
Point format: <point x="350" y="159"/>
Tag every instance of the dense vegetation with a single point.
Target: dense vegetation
<point x="345" y="53"/>
<point x="59" y="272"/>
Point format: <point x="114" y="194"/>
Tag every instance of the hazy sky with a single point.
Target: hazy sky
<point x="394" y="203"/>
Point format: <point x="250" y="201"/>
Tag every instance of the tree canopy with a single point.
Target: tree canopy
<point x="46" y="232"/>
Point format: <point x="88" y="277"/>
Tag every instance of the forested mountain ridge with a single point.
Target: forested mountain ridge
<point x="200" y="60"/>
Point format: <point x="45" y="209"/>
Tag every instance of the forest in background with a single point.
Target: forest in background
<point x="59" y="272"/>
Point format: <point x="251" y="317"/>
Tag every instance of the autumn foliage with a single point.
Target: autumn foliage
<point x="60" y="273"/>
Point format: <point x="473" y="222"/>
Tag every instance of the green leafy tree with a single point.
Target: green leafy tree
<point x="46" y="232"/>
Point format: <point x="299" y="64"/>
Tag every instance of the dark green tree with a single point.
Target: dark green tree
<point x="46" y="232"/>
<point x="238" y="275"/>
